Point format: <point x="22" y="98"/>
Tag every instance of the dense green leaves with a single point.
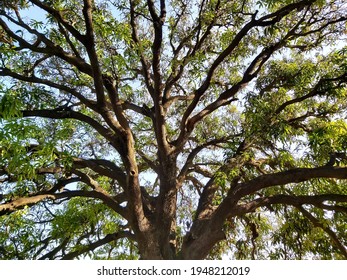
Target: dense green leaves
<point x="172" y="129"/>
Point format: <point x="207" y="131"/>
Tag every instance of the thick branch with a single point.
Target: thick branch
<point x="206" y="200"/>
<point x="65" y="114"/>
<point x="102" y="167"/>
<point x="92" y="246"/>
<point x="158" y="22"/>
<point x="318" y="89"/>
<point x="89" y="43"/>
<point x="20" y="203"/>
<point x="316" y="200"/>
<point x="51" y="49"/>
<point x="50" y="255"/>
<point x="276" y="179"/>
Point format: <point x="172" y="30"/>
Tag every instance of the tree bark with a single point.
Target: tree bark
<point x="200" y="240"/>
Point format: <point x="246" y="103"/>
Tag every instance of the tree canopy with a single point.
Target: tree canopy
<point x="182" y="129"/>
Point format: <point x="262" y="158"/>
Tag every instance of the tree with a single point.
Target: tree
<point x="173" y="129"/>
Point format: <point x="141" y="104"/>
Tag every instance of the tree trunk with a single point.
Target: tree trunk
<point x="200" y="240"/>
<point x="158" y="239"/>
<point x="165" y="221"/>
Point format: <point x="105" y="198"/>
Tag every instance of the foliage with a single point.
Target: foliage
<point x="174" y="129"/>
